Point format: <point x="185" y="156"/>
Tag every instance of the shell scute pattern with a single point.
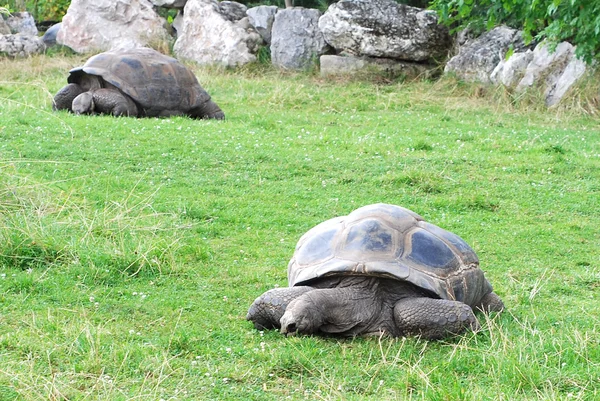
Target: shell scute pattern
<point x="388" y="241"/>
<point x="430" y="253"/>
<point x="368" y="237"/>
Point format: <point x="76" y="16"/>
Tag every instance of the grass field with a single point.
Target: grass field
<point x="131" y="249"/>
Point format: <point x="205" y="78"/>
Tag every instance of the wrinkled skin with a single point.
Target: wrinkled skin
<point x="352" y="306"/>
<point x="104" y="101"/>
<point x="63" y="100"/>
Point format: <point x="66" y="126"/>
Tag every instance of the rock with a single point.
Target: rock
<point x="554" y="72"/>
<point x="384" y="28"/>
<point x="208" y="37"/>
<point x="337" y="65"/>
<point x="177" y="24"/>
<point x="4" y="28"/>
<point x="296" y="41"/>
<point x="232" y="10"/>
<point x="17" y="45"/>
<point x="546" y="64"/>
<point x="169" y="3"/>
<point x="573" y="71"/>
<point x="93" y="25"/>
<point x="18" y="36"/>
<point x="22" y="23"/>
<point x="49" y="37"/>
<point x="261" y="18"/>
<point x="510" y="72"/>
<point x="477" y="58"/>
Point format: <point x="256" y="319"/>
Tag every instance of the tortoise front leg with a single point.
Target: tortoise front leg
<point x="63" y="100"/>
<point x="105" y="101"/>
<point x="433" y="319"/>
<point x="115" y="102"/>
<point x="266" y="311"/>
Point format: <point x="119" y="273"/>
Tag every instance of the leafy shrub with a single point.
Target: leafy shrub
<point x="576" y="21"/>
<point x="42" y="10"/>
<point x="48" y="10"/>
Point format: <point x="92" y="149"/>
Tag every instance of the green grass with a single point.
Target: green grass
<point x="131" y="249"/>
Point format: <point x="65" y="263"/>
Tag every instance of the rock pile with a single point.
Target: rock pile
<point x="483" y="59"/>
<point x="352" y="35"/>
<point x="18" y="36"/>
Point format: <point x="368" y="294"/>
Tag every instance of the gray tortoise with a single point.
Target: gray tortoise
<point x="138" y="82"/>
<point x="380" y="270"/>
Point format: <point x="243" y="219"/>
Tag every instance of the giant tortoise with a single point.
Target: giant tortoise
<point x="381" y="270"/>
<point x="137" y="82"/>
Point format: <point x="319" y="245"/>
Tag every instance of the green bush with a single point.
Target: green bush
<point x="576" y="21"/>
<point x="48" y="10"/>
<point x="42" y="10"/>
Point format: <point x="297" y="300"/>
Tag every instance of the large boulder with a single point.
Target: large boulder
<point x="296" y="41"/>
<point x="261" y="18"/>
<point x="553" y="71"/>
<point x="22" y="23"/>
<point x="477" y="59"/>
<point x="4" y="28"/>
<point x="232" y="10"/>
<point x="384" y="28"/>
<point x="351" y="65"/>
<point x="95" y="25"/>
<point x="207" y="36"/>
<point x="546" y="64"/>
<point x="570" y="75"/>
<point x="510" y="72"/>
<point x="17" y="45"/>
<point x="169" y="3"/>
<point x="18" y="36"/>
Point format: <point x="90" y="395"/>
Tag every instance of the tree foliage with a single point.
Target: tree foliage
<point x="576" y="21"/>
<point x="41" y="10"/>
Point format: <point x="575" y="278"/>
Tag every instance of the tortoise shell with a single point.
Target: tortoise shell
<point x="390" y="241"/>
<point x="160" y="84"/>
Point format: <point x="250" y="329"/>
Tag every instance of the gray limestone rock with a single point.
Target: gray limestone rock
<point x="207" y="36"/>
<point x="337" y="65"/>
<point x="232" y="10"/>
<point x="571" y="74"/>
<point x="169" y="3"/>
<point x="510" y="72"/>
<point x="17" y="45"/>
<point x="92" y="25"/>
<point x="477" y="58"/>
<point x="261" y="18"/>
<point x="554" y="72"/>
<point x="22" y="23"/>
<point x="384" y="28"/>
<point x="296" y="41"/>
<point x="4" y="28"/>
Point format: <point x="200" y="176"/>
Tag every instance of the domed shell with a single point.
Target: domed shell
<point x="390" y="241"/>
<point x="155" y="81"/>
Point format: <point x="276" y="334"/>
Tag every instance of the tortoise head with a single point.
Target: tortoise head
<point x="83" y="104"/>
